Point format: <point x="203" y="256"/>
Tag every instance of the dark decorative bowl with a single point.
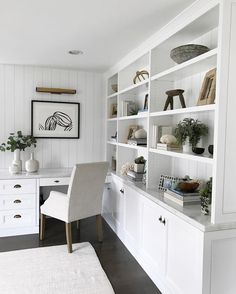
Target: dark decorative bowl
<point x="186" y="52"/>
<point x="198" y="150"/>
<point x="211" y="149"/>
<point x="188" y="187"/>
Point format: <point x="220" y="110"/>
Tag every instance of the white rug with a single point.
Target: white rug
<point x="51" y="270"/>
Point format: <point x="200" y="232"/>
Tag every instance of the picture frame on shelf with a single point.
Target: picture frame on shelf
<point x="166" y="182"/>
<point x="208" y="90"/>
<point x="55" y="119"/>
<point x="131" y="132"/>
<point x="113" y="110"/>
<point x="145" y="106"/>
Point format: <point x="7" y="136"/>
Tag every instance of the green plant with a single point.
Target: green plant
<point x="18" y="141"/>
<point x="133" y="109"/>
<point x="206" y="196"/>
<point x="140" y="160"/>
<point x="192" y="129"/>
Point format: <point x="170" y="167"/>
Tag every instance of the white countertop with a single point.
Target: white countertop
<point x="42" y="173"/>
<point x="191" y="213"/>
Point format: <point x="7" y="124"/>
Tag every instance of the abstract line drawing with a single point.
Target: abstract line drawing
<point x="57" y="119"/>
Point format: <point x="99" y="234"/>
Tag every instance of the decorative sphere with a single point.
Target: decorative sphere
<point x="140" y="134"/>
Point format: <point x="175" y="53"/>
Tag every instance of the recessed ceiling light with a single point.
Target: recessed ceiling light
<point x="76" y="52"/>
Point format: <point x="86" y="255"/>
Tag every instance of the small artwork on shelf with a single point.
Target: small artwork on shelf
<point x="59" y="120"/>
<point x="131" y="132"/>
<point x="166" y="182"/>
<point x="113" y="110"/>
<point x="208" y="90"/>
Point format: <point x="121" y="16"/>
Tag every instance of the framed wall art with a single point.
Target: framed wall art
<point x="208" y="90"/>
<point x="51" y="119"/>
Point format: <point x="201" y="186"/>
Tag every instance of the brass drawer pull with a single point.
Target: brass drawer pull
<point x="56" y="181"/>
<point x="17" y="216"/>
<point x="17" y="201"/>
<point x="17" y="186"/>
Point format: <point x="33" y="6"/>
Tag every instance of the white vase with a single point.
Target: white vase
<point x="139" y="167"/>
<point x="17" y="162"/>
<point x="32" y="165"/>
<point x="187" y="148"/>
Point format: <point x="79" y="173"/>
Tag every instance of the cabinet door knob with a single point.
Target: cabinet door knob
<point x="17" y="201"/>
<point x="17" y="186"/>
<point x="160" y="219"/>
<point x="164" y="221"/>
<point x="56" y="181"/>
<point x="122" y="191"/>
<point x="17" y="216"/>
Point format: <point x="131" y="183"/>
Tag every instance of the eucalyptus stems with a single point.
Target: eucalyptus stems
<point x="191" y="129"/>
<point x="18" y="141"/>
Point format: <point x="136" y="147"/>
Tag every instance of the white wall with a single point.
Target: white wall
<point x="17" y="89"/>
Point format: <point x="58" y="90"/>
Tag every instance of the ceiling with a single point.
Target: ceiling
<point x="42" y="32"/>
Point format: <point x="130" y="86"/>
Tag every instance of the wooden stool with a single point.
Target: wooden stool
<point x="172" y="93"/>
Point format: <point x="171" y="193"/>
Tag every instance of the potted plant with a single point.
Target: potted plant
<point x="16" y="143"/>
<point x="189" y="132"/>
<point x="139" y="164"/>
<point x="205" y="196"/>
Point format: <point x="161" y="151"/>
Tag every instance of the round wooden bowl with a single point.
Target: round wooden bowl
<point x="188" y="187"/>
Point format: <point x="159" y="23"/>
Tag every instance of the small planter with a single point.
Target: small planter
<point x="139" y="167"/>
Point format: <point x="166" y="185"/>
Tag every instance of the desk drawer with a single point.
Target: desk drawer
<point x="17" y="218"/>
<point x="18" y="201"/>
<point x="17" y="186"/>
<point x="54" y="181"/>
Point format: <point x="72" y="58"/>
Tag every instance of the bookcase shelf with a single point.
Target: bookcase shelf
<point x="166" y="75"/>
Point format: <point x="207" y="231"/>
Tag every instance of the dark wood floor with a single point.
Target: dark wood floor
<point x="124" y="273"/>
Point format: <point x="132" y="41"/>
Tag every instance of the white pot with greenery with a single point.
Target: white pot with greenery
<point x="189" y="132"/>
<point x="17" y="143"/>
<point x="139" y="164"/>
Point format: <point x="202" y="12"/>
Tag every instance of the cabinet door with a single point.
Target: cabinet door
<point x="184" y="257"/>
<point x="133" y="204"/>
<point x="154" y="232"/>
<point x="107" y="202"/>
<point x="117" y="190"/>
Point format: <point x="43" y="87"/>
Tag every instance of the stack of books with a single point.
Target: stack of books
<point x="133" y="176"/>
<point x="137" y="142"/>
<point x="127" y="108"/>
<point x="182" y="198"/>
<point x="169" y="147"/>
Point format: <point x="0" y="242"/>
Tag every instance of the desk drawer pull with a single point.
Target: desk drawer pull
<point x="56" y="181"/>
<point x="17" y="216"/>
<point x="17" y="201"/>
<point x="17" y="186"/>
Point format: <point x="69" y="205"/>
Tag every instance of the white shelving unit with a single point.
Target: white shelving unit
<point x="166" y="75"/>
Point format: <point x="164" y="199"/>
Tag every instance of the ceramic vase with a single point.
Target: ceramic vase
<point x="16" y="166"/>
<point x="187" y="148"/>
<point x="32" y="165"/>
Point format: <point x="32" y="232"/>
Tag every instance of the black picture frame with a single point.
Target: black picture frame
<point x="65" y="118"/>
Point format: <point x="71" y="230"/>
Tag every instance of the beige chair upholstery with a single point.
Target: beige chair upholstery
<point x="83" y="199"/>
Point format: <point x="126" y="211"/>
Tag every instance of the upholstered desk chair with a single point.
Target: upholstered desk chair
<point x="83" y="199"/>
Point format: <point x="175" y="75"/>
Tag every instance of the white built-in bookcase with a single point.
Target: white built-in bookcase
<point x="166" y="75"/>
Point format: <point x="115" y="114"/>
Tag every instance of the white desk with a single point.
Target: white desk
<point x="19" y="198"/>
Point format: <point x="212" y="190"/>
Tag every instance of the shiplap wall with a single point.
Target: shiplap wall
<point x="17" y="89"/>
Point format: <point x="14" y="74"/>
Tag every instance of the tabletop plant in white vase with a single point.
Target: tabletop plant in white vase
<point x="189" y="133"/>
<point x="16" y="143"/>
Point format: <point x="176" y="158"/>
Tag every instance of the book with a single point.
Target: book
<point x="181" y="202"/>
<point x="162" y="146"/>
<point x="135" y="175"/>
<point x="154" y="136"/>
<point x="134" y="179"/>
<point x="137" y="142"/>
<point x="182" y="194"/>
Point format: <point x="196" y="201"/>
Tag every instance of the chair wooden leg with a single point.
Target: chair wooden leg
<point x="99" y="227"/>
<point x="77" y="225"/>
<point x="42" y="226"/>
<point x="69" y="237"/>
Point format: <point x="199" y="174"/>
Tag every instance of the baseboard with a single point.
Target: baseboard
<point x="7" y="232"/>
